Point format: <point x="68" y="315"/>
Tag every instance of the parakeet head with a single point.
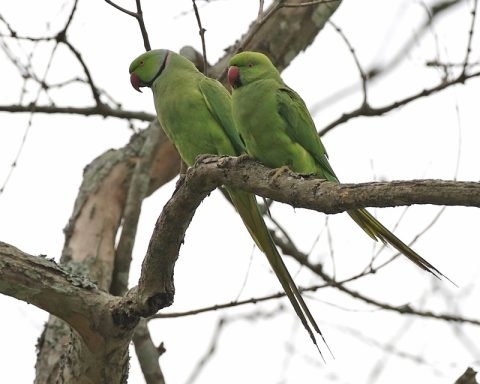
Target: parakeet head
<point x="247" y="67"/>
<point x="147" y="67"/>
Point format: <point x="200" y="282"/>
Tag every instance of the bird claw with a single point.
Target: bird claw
<point x="244" y="157"/>
<point x="311" y="175"/>
<point x="276" y="173"/>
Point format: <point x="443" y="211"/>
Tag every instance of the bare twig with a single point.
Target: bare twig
<point x="378" y="71"/>
<point x="470" y="37"/>
<point x="201" y="32"/>
<point x="404" y="309"/>
<point x="367" y="110"/>
<point x="222" y="322"/>
<point x="97" y="110"/>
<point x="282" y="4"/>
<point x="363" y="76"/>
<point x="78" y="55"/>
<point x="29" y="123"/>
<point x="139" y="16"/>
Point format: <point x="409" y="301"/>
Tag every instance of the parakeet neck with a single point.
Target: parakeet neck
<point x="178" y="70"/>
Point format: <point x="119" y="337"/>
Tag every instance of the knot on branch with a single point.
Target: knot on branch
<point x="160" y="301"/>
<point x="61" y="36"/>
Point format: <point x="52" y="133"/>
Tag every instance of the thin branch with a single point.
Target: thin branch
<point x="378" y="71"/>
<point x="231" y="304"/>
<point x="201" y="32"/>
<point x="70" y="18"/>
<point x="222" y="322"/>
<point x="143" y="29"/>
<point x="148" y="354"/>
<point x="98" y="110"/>
<point x="367" y="110"/>
<point x="137" y="15"/>
<point x="281" y="4"/>
<point x="77" y="54"/>
<point x="470" y="37"/>
<point x="403" y="309"/>
<point x="363" y="76"/>
<point x="29" y="123"/>
<point x="384" y="348"/>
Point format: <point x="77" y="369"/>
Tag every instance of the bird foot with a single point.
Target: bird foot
<point x="311" y="175"/>
<point x="244" y="157"/>
<point x="276" y="173"/>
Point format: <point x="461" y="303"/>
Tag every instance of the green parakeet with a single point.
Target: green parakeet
<point x="195" y="112"/>
<point x="278" y="130"/>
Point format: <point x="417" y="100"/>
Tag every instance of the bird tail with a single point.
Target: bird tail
<point x="377" y="231"/>
<point x="246" y="205"/>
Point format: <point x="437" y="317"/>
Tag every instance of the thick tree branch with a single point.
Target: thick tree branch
<point x="156" y="288"/>
<point x="47" y="285"/>
<point x="90" y="233"/>
<point x="313" y="193"/>
<point x="97" y="342"/>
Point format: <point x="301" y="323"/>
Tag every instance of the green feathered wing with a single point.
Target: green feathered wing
<point x="301" y="129"/>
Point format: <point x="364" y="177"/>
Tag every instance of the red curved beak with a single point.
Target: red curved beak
<point x="135" y="81"/>
<point x="233" y="76"/>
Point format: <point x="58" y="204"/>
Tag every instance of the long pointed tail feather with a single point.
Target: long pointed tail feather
<point x="377" y="231"/>
<point x="247" y="207"/>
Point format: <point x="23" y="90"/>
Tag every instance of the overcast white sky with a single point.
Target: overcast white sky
<point x="421" y="140"/>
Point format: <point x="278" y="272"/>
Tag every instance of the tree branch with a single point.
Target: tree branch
<point x="100" y="345"/>
<point x="43" y="283"/>
<point x="139" y="184"/>
<point x="156" y="288"/>
<point x="328" y="197"/>
<point x="137" y="15"/>
<point x="148" y="354"/>
<point x="99" y="110"/>
<point x="366" y="110"/>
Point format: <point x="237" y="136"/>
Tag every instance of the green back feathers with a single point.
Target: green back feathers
<point x="218" y="102"/>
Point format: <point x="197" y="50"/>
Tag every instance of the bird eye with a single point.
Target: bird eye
<point x="141" y="62"/>
<point x="250" y="65"/>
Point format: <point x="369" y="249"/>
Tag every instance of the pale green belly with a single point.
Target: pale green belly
<point x="272" y="146"/>
<point x="190" y="126"/>
<point x="279" y="150"/>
